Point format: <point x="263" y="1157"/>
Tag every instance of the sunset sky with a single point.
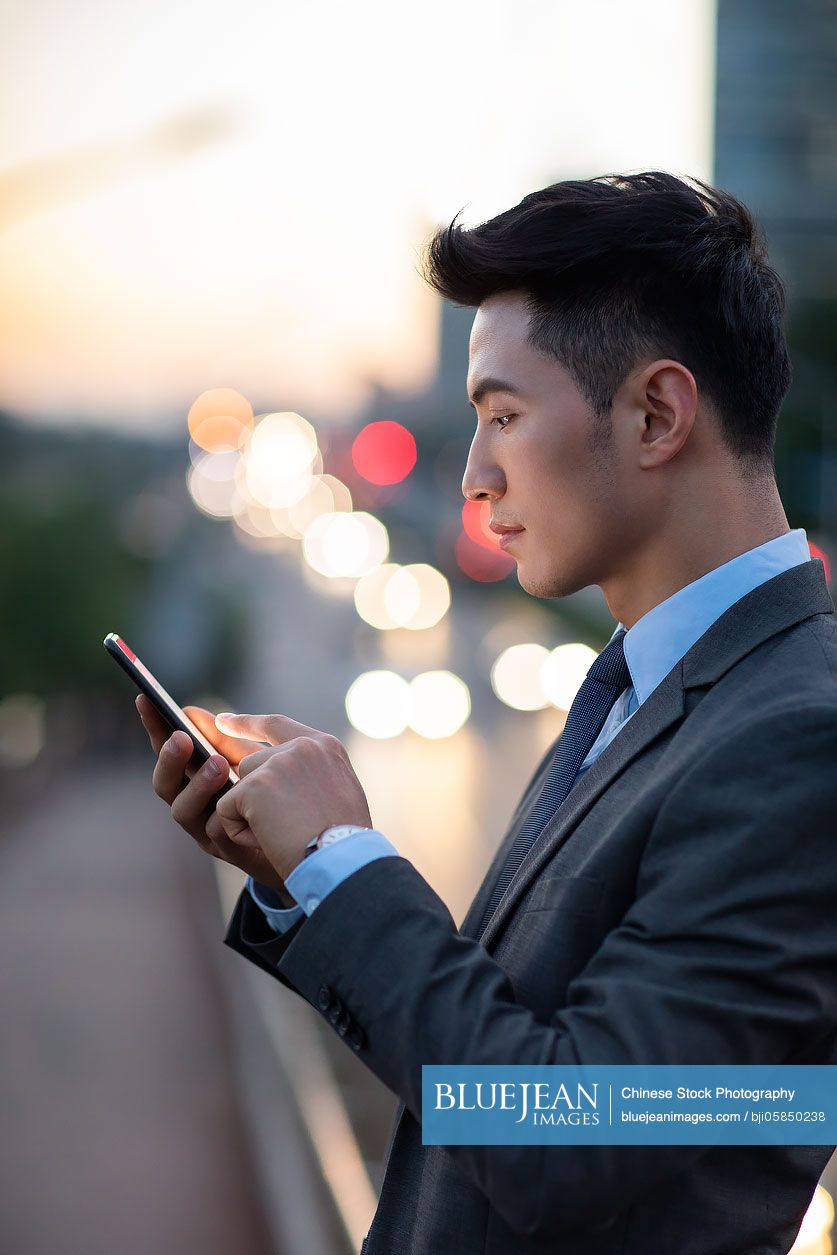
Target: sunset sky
<point x="216" y="195"/>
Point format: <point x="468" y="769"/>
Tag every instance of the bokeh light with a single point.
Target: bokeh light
<point x="220" y="420"/>
<point x="370" y="599"/>
<point x="254" y="520"/>
<point x="476" y="516"/>
<point x="814" y="1233"/>
<point x="516" y="676"/>
<point x="417" y="596"/>
<point x="817" y="552"/>
<point x="440" y="704"/>
<point x="211" y="483"/>
<point x="279" y="461"/>
<point x="563" y="672"/>
<point x="22" y="730"/>
<point x="378" y="704"/>
<point x="340" y="544"/>
<point x="384" y="452"/>
<point x="325" y="495"/>
<point x="478" y="563"/>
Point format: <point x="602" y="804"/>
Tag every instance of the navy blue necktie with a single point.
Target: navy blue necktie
<point x="607" y="678"/>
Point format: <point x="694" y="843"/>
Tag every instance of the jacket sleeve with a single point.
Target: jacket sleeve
<point x="728" y="954"/>
<point x="250" y="935"/>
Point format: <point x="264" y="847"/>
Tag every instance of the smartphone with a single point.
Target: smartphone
<point x="175" y="717"/>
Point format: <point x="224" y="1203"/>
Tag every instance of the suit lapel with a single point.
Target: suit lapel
<point x="777" y="604"/>
<point x="469" y="925"/>
<point x="662" y="709"/>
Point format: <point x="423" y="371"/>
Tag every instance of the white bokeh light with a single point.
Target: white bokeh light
<point x="516" y="676"/>
<point x="378" y="704"/>
<point x="563" y="672"/>
<point x="345" y="544"/>
<point x="417" y="596"/>
<point x="370" y="596"/>
<point x="280" y="459"/>
<point x="324" y="495"/>
<point x="440" y="704"/>
<point x="211" y="483"/>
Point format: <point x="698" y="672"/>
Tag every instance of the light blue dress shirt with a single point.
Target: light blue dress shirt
<point x="654" y="645"/>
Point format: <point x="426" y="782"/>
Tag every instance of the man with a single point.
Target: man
<point x="667" y="889"/>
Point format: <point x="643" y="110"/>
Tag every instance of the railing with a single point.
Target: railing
<point x="291" y="1046"/>
<point x="274" y="1038"/>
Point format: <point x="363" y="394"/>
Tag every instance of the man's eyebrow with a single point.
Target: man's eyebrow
<point x="490" y="384"/>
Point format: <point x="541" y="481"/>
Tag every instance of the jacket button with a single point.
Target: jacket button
<point x="344" y="1022"/>
<point x="335" y="1011"/>
<point x="355" y="1037"/>
<point x="324" y="997"/>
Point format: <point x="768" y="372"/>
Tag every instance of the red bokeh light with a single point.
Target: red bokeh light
<point x="475" y="560"/>
<point x="476" y="516"/>
<point x="384" y="452"/>
<point x="816" y="552"/>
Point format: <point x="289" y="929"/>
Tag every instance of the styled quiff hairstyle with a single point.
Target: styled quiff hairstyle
<point x="628" y="267"/>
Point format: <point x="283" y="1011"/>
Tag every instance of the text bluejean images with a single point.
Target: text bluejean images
<point x="707" y="1104"/>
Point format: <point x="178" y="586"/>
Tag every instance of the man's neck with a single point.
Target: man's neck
<point x="679" y="556"/>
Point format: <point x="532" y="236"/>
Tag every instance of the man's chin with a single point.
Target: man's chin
<point x="547" y="585"/>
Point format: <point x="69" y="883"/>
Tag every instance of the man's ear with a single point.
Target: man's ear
<point x="666" y="392"/>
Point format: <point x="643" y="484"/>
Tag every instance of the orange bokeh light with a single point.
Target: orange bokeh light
<point x="220" y="420"/>
<point x="384" y="452"/>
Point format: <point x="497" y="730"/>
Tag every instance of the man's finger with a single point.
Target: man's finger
<point x="252" y="761"/>
<point x="232" y="747"/>
<point x="170" y="770"/>
<point x="235" y="826"/>
<point x="190" y="803"/>
<point x="214" y="829"/>
<point x="153" y="722"/>
<point x="226" y="808"/>
<point x="276" y="729"/>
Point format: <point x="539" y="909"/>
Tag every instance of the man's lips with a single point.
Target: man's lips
<point x="502" y="528"/>
<point x="508" y="537"/>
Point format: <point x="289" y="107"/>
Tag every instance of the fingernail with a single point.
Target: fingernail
<point x="226" y="714"/>
<point x="213" y="768"/>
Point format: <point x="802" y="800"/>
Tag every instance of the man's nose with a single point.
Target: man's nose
<point x="483" y="478"/>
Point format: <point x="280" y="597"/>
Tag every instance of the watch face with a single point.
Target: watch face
<point x="338" y="832"/>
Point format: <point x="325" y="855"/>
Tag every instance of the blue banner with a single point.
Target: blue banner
<point x="639" y="1104"/>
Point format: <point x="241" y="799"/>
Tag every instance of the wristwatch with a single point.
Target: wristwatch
<point x="330" y="835"/>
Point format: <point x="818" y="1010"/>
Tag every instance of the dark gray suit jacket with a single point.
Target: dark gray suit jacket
<point x="680" y="907"/>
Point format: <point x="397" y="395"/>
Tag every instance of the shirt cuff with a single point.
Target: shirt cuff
<point x="267" y="900"/>
<point x="319" y="873"/>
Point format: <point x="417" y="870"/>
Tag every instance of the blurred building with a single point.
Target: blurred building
<point x="776" y="148"/>
<point x="776" y="129"/>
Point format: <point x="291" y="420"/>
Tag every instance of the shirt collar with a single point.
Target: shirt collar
<point x="658" y="640"/>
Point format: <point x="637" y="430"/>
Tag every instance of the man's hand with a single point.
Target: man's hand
<point x="290" y="792"/>
<point x="191" y="795"/>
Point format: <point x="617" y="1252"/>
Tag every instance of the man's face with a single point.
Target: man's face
<point x="544" y="466"/>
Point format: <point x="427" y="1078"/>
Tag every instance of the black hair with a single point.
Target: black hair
<point x="623" y="266"/>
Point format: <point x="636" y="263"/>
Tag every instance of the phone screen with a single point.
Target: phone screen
<point x="173" y="714"/>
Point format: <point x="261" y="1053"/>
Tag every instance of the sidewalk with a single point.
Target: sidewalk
<point x="120" y="1130"/>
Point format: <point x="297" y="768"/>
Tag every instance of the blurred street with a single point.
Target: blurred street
<point x="121" y="1130"/>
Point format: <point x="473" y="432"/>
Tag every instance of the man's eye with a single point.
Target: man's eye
<point x="502" y="420"/>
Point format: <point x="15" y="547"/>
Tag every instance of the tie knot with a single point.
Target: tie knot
<point x="610" y="667"/>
